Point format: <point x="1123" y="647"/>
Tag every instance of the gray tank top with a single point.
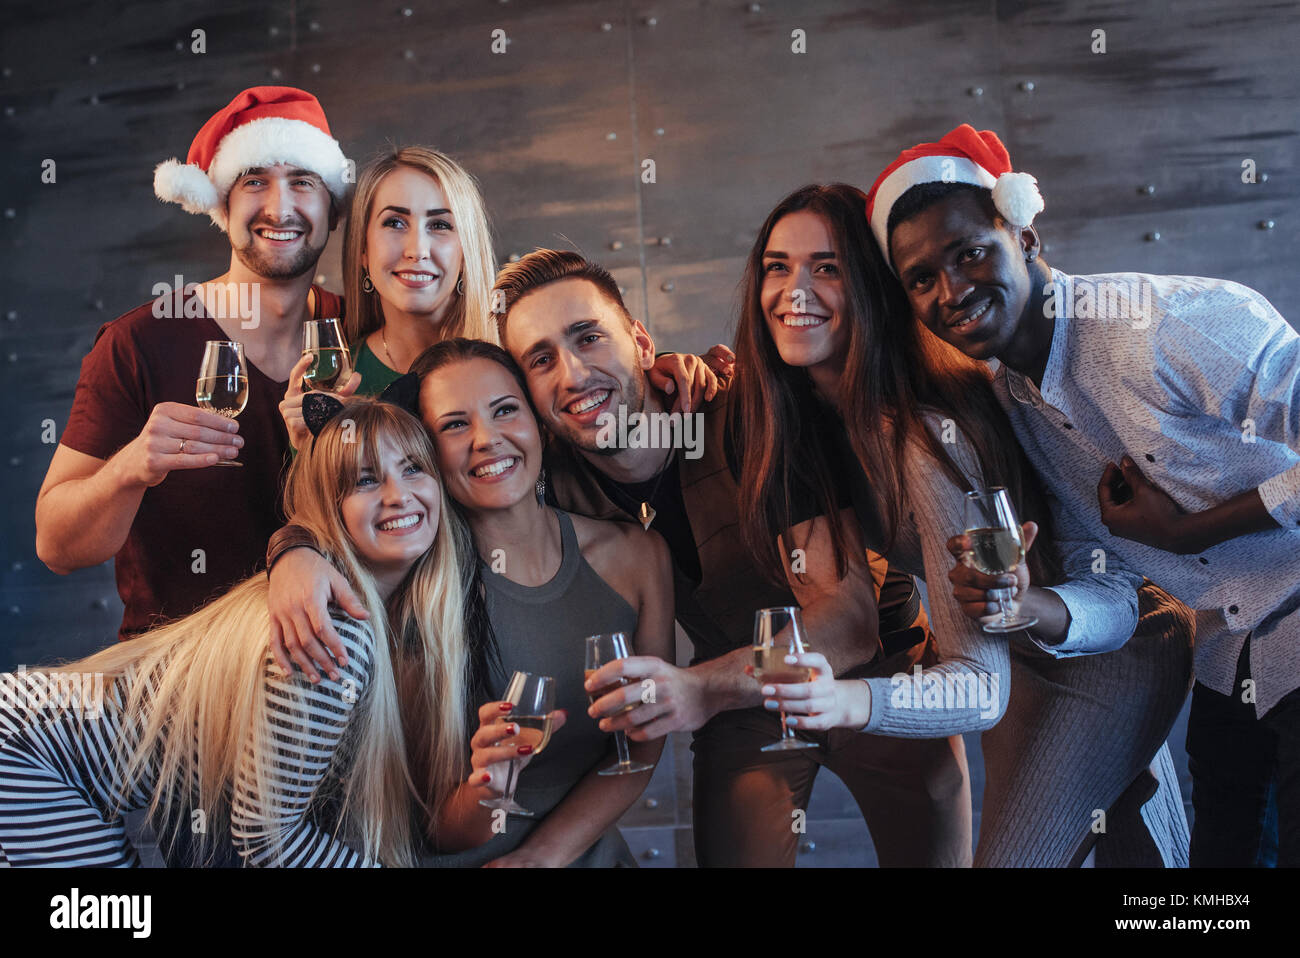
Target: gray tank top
<point x="542" y="629"/>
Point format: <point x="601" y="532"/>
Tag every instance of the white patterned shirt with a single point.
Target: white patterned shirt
<point x="1198" y="382"/>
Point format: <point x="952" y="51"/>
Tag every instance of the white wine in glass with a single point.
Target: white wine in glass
<point x="770" y="649"/>
<point x="602" y="649"/>
<point x="533" y="698"/>
<point x="997" y="548"/>
<point x="222" y="386"/>
<point x="332" y="363"/>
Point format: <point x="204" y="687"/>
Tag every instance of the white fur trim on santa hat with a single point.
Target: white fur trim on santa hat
<point x="186" y="184"/>
<point x="1017" y="198"/>
<point x="924" y="169"/>
<point x="258" y="143"/>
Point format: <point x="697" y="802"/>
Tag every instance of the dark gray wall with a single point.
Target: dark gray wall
<point x="556" y="129"/>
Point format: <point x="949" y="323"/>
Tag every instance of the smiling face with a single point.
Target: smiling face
<point x="965" y="274"/>
<point x="580" y="358"/>
<point x="279" y="220"/>
<point x="392" y="513"/>
<point x="803" y="293"/>
<point x="412" y="251"/>
<point x="489" y="446"/>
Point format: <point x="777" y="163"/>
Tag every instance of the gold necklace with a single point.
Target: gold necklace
<point x="384" y="339"/>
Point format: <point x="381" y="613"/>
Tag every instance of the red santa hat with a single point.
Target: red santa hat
<point x="963" y="156"/>
<point x="260" y="127"/>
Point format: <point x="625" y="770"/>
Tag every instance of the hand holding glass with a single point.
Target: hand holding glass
<point x="332" y="365"/>
<point x="997" y="548"/>
<point x="770" y="668"/>
<point x="533" y="698"/>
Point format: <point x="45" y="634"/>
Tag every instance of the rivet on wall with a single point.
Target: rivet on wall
<point x="652" y="803"/>
<point x="180" y="84"/>
<point x="98" y="304"/>
<point x="611" y="136"/>
<point x="408" y="54"/>
<point x="9" y="111"/>
<point x="659" y="131"/>
<point x="1262" y="178"/>
<point x="9" y="213"/>
<point x="1153" y="236"/>
<point x="1266" y="224"/>
<point x="320" y="279"/>
<point x="651" y="21"/>
<point x="12" y="315"/>
<point x="314" y="26"/>
<point x="975" y="91"/>
<point x="12" y="357"/>
<point x="14" y="610"/>
<point x="607" y="27"/>
<point x="755" y="8"/>
<point x="1147" y="190"/>
<point x="808" y="846"/>
<point x="94" y="99"/>
<point x="100" y="603"/>
<point x="661" y="241"/>
<point x="513" y="258"/>
<point x="180" y="46"/>
<point x="15" y="461"/>
<point x="1027" y="86"/>
<point x="616" y="245"/>
<point x="315" y="68"/>
<point x="92" y="59"/>
<point x="650" y="853"/>
<point x="622" y="291"/>
<point x="17" y="567"/>
<point x="275" y="73"/>
<point x="6" y="73"/>
<point x="407" y="11"/>
<point x="667" y="286"/>
<point x="274" y="31"/>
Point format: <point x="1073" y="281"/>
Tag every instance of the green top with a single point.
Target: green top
<point x="375" y="376"/>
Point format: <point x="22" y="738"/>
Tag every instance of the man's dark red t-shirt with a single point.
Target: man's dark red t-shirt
<point x="199" y="531"/>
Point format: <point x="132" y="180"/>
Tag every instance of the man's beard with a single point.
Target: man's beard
<point x="270" y="266"/>
<point x="633" y="392"/>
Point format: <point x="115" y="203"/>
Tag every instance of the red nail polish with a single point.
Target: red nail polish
<point x="505" y="706"/>
<point x="525" y="750"/>
<point x="486" y="778"/>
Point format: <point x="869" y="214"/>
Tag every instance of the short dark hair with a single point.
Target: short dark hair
<point x="542" y="267"/>
<point x="921" y="197"/>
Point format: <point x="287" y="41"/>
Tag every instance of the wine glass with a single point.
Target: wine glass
<point x="770" y="650"/>
<point x="533" y="698"/>
<point x="602" y="649"/>
<point x="333" y="363"/>
<point x="997" y="548"/>
<point x="222" y="386"/>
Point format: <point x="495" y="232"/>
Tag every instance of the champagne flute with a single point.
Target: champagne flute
<point x="533" y="698"/>
<point x="770" y="650"/>
<point x="333" y="363"/>
<point x="602" y="649"/>
<point x="222" y="385"/>
<point x="997" y="548"/>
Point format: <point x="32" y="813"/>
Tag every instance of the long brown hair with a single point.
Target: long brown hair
<point x="895" y="372"/>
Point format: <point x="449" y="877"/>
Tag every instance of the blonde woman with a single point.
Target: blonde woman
<point x="418" y="269"/>
<point x="195" y="724"/>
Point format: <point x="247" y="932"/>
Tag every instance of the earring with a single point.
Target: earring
<point x="460" y="285"/>
<point x="1031" y="256"/>
<point x="541" y="488"/>
<point x="366" y="285"/>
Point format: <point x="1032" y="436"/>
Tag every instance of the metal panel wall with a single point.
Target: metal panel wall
<point x="1139" y="151"/>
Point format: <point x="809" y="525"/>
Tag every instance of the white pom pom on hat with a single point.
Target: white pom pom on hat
<point x="963" y="156"/>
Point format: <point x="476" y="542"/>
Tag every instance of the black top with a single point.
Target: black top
<point x="664" y="493"/>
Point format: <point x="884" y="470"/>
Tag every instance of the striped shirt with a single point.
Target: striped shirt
<point x="1198" y="382"/>
<point x="62" y="789"/>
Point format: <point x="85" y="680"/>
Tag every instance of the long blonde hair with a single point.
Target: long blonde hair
<point x="470" y="314"/>
<point x="209" y="702"/>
